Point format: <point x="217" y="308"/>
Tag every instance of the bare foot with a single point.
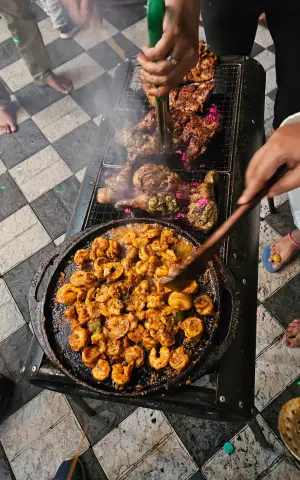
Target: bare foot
<point x="285" y="249"/>
<point x="61" y="83"/>
<point x="7" y="125"/>
<point x="293" y="334"/>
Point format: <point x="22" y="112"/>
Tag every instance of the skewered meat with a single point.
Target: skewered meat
<point x="156" y="178"/>
<point x="206" y="67"/>
<point x="203" y="211"/>
<point x="157" y="202"/>
<point x="119" y="185"/>
<point x="191" y="99"/>
<point x="147" y="123"/>
<point x="142" y="143"/>
<point x="197" y="133"/>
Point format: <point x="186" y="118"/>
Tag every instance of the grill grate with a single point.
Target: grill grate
<point x="101" y="213"/>
<point x="134" y="105"/>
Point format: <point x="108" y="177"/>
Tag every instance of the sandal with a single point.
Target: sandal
<point x="267" y="252"/>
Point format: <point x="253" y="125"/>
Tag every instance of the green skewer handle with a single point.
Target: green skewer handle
<point x="156" y="10"/>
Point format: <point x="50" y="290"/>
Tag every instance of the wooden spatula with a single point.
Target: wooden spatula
<point x="187" y="271"/>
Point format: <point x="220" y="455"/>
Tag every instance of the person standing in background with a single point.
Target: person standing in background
<point x="59" y="17"/>
<point x="27" y="36"/>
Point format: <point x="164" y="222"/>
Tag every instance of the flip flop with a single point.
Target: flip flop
<point x="267" y="253"/>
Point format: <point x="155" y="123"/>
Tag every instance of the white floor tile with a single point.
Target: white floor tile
<point x="267" y="329"/>
<point x="263" y="37"/>
<point x="40" y="173"/>
<point x="249" y="459"/>
<point x="48" y="32"/>
<point x="202" y="35"/>
<point x="81" y="70"/>
<point x="51" y="407"/>
<point x="137" y="33"/>
<point x="60" y="239"/>
<point x="11" y="319"/>
<point x="22" y="247"/>
<point x="16" y="224"/>
<point x="269" y="128"/>
<point x="42" y="459"/>
<point x="79" y="175"/>
<point x="4" y="32"/>
<point x="266" y="59"/>
<point x="271" y="83"/>
<point x="268" y="283"/>
<point x="276" y="368"/>
<point x="60" y="118"/>
<point x="16" y="75"/>
<point x="2" y="168"/>
<point x="267" y="236"/>
<point x="5" y="294"/>
<point x="283" y="470"/>
<point x="136" y="437"/>
<point x="269" y="108"/>
<point x="170" y="457"/>
<point x="22" y="115"/>
<point x="278" y="200"/>
<point x="97" y="120"/>
<point x="89" y="37"/>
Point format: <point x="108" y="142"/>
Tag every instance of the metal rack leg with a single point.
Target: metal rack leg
<point x="272" y="205"/>
<point x="85" y="407"/>
<point x="258" y="433"/>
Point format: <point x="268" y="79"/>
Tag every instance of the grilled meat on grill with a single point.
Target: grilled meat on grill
<point x="206" y="67"/>
<point x="153" y="203"/>
<point x="147" y="123"/>
<point x="197" y="133"/>
<point x="119" y="185"/>
<point x="141" y="143"/>
<point x="203" y="213"/>
<point x="191" y="99"/>
<point x="156" y="178"/>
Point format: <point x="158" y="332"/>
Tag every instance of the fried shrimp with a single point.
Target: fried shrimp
<point x="148" y="341"/>
<point x="67" y="294"/>
<point x="178" y="359"/>
<point x="136" y="354"/>
<point x="101" y="371"/>
<point x="118" y="326"/>
<point x="165" y="338"/>
<point x="99" y="339"/>
<point x="204" y="305"/>
<point x="161" y="360"/>
<point x="121" y="373"/>
<point x="137" y="334"/>
<point x="82" y="256"/>
<point x="180" y="301"/>
<point x="89" y="356"/>
<point x="78" y="339"/>
<point x="193" y="327"/>
<point x="83" y="279"/>
<point x="120" y="314"/>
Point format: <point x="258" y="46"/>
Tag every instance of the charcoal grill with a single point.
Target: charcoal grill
<point x="239" y="94"/>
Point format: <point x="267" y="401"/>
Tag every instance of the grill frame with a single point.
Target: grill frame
<point x="235" y="385"/>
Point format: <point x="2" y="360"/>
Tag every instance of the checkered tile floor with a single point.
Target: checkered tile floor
<point x="41" y="167"/>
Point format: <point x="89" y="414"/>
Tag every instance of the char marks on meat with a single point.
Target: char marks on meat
<point x="206" y="66"/>
<point x="192" y="98"/>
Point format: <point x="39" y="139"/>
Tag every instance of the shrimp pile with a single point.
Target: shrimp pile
<point x="120" y="315"/>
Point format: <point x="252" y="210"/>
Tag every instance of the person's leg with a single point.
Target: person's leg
<point x="7" y="125"/>
<point x="28" y="38"/>
<point x="284" y="21"/>
<point x="55" y="11"/>
<point x="230" y="25"/>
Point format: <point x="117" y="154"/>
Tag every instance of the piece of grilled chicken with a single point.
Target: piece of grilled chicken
<point x="156" y="178"/>
<point x="165" y="203"/>
<point x="118" y="186"/>
<point x="202" y="211"/>
<point x="206" y="66"/>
